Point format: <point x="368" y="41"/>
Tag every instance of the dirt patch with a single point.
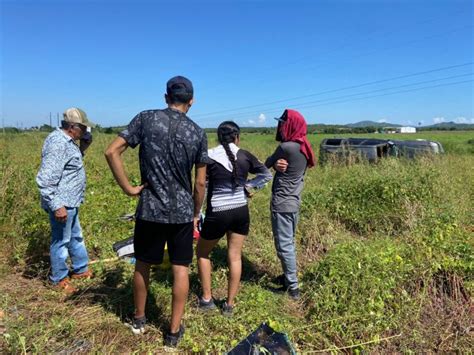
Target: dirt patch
<point x="37" y="317"/>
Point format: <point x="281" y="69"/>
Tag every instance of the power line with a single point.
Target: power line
<point x="236" y="114"/>
<point x="339" y="89"/>
<point x="328" y="100"/>
<point x="393" y="87"/>
<point x="396" y="92"/>
<point x="367" y="97"/>
<point x="373" y="96"/>
<point x="345" y="44"/>
<point x="240" y="114"/>
<point x="401" y="45"/>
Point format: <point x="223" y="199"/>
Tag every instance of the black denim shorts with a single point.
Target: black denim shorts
<point x="150" y="239"/>
<point x="216" y="224"/>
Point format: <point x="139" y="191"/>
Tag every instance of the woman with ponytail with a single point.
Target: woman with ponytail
<point x="227" y="209"/>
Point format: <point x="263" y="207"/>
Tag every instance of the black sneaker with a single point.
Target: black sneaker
<point x="206" y="305"/>
<point x="280" y="280"/>
<point x="294" y="294"/>
<point x="227" y="310"/>
<point x="172" y="339"/>
<point x="136" y="324"/>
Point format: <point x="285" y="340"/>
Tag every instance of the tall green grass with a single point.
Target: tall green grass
<point x="384" y="252"/>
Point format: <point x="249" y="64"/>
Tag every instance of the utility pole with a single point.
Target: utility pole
<point x="57" y="116"/>
<point x="50" y="121"/>
<point x="3" y="123"/>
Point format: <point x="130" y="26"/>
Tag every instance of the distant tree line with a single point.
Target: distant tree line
<point x="451" y="128"/>
<point x="42" y="128"/>
<point x="312" y="129"/>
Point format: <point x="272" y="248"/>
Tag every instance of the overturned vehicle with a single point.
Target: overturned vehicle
<point x="372" y="149"/>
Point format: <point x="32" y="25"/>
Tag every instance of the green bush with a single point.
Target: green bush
<point x="391" y="197"/>
<point x="358" y="289"/>
<point x="374" y="288"/>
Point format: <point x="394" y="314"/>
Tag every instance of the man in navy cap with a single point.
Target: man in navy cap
<point x="168" y="209"/>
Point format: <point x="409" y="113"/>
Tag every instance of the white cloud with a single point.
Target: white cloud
<point x="463" y="120"/>
<point x="382" y="120"/>
<point x="261" y="118"/>
<point x="438" y="120"/>
<point x="251" y="122"/>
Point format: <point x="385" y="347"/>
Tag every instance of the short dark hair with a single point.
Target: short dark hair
<point x="181" y="98"/>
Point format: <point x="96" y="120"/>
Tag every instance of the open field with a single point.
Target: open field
<point x="385" y="253"/>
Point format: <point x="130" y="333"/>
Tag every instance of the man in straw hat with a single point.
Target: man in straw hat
<point x="62" y="181"/>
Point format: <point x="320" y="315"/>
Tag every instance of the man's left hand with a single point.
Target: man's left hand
<point x="281" y="165"/>
<point x="135" y="190"/>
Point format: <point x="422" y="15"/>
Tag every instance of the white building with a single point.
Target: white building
<point x="406" y="129"/>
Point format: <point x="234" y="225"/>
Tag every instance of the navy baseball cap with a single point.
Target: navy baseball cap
<point x="179" y="85"/>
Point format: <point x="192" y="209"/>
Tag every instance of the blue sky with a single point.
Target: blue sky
<point x="335" y="61"/>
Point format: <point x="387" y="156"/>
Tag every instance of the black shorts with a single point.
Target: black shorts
<point x="216" y="224"/>
<point x="150" y="238"/>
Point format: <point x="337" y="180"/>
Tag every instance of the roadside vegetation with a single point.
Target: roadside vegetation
<point x="385" y="254"/>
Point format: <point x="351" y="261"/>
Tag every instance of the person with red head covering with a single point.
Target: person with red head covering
<point x="290" y="160"/>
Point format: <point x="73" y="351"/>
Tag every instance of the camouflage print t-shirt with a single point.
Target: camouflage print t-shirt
<point x="170" y="145"/>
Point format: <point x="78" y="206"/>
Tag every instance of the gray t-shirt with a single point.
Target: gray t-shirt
<point x="287" y="186"/>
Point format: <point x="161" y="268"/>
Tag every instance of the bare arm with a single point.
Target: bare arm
<point x="113" y="154"/>
<point x="199" y="190"/>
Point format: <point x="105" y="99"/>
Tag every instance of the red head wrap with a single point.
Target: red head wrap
<point x="292" y="128"/>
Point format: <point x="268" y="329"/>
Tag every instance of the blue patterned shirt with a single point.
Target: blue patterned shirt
<point x="61" y="178"/>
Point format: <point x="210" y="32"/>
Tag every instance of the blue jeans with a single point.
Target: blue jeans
<point x="67" y="240"/>
<point x="284" y="229"/>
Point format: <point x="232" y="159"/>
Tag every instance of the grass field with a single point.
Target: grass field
<point x="385" y="255"/>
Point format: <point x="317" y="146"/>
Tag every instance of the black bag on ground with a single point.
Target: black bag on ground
<point x="264" y="340"/>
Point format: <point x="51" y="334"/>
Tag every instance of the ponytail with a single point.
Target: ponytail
<point x="227" y="133"/>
